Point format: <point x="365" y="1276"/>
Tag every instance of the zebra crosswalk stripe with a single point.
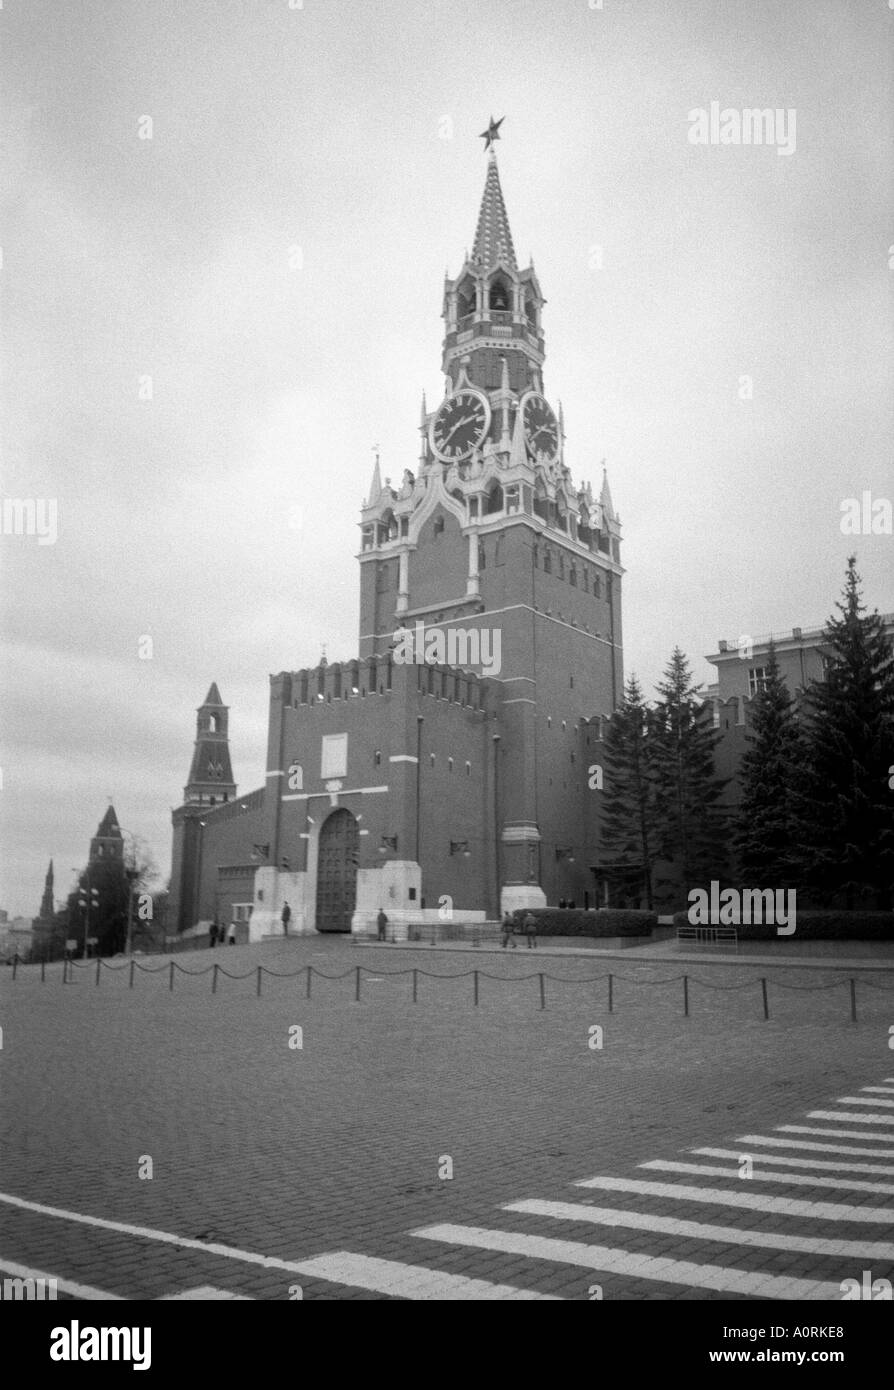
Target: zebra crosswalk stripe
<point x="866" y="1135"/>
<point x="707" y="1170"/>
<point x="816" y="1148"/>
<point x="850" y="1117"/>
<point x="699" y="1230"/>
<point x="884" y="1170"/>
<point x="608" y="1260"/>
<point x="866" y="1100"/>
<point x="751" y="1201"/>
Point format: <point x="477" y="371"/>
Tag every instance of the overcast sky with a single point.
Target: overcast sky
<point x="220" y="517"/>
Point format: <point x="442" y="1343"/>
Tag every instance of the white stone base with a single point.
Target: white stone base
<point x="266" y="914"/>
<point x="388" y="886"/>
<point x="515" y="896"/>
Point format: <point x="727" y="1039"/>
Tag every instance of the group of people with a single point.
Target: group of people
<point x="510" y="928"/>
<point x="217" y="933"/>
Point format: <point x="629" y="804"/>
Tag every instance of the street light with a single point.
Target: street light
<point x="87" y="897"/>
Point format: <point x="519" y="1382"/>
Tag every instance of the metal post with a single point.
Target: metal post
<point x="542" y="993"/>
<point x="96" y="981"/>
<point x="415" y="974"/>
<point x="611" y="991"/>
<point x="214" y="979"/>
<point x="171" y="981"/>
<point x="853" y="1000"/>
<point x="43" y="966"/>
<point x="357" y="983"/>
<point x="685" y="996"/>
<point x="475" y="973"/>
<point x="15" y="964"/>
<point x="259" y="981"/>
<point x="764" y="993"/>
<point x="309" y="972"/>
<point x="132" y="968"/>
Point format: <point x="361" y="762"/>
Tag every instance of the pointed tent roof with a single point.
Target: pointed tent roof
<point x="108" y="826"/>
<point x="605" y="497"/>
<point x="213" y="697"/>
<point x="493" y="239"/>
<point x="376" y="485"/>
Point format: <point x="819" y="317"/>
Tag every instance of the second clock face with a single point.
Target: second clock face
<point x="460" y="425"/>
<point x="541" y="426"/>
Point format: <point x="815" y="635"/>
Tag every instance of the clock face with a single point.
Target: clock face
<point x="460" y="425"/>
<point x="541" y="427"/>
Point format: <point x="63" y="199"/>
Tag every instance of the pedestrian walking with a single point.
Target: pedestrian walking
<point x="212" y="934"/>
<point x="508" y="931"/>
<point x="286" y="918"/>
<point x="530" y="929"/>
<point x="381" y="923"/>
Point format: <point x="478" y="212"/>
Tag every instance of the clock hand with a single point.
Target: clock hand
<point x="467" y="419"/>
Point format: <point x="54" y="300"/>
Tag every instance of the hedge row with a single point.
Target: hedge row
<point x="813" y="925"/>
<point x="603" y="921"/>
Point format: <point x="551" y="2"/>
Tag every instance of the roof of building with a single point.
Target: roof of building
<point x="493" y="239"/>
<point x="108" y="826"/>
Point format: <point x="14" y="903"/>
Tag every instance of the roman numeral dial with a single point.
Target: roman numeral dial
<point x="541" y="426"/>
<point x="459" y="426"/>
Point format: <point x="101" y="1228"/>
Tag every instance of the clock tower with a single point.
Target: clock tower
<point x="491" y="535"/>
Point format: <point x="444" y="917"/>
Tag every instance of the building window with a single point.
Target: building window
<point x="547" y="562"/>
<point x="597" y="586"/>
<point x="573" y="577"/>
<point x="756" y="679"/>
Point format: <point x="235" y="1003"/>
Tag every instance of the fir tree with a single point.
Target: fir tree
<point x="844" y="800"/>
<point x="692" y="825"/>
<point x="765" y="823"/>
<point x="629" y="822"/>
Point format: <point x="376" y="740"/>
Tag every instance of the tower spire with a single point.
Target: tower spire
<point x="46" y="903"/>
<point x="493" y="239"/>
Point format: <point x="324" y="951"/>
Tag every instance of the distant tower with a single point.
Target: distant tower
<point x="210" y="784"/>
<point x="107" y="845"/>
<point x="211" y="772"/>
<point x="46" y="903"/>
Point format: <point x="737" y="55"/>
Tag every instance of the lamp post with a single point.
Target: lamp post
<point x="87" y="897"/>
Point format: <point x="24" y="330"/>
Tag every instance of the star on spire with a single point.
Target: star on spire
<point x="492" y="133"/>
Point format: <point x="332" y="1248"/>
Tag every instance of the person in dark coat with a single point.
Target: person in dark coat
<point x="212" y="934"/>
<point x="286" y="918"/>
<point x="529" y="927"/>
<point x="381" y="923"/>
<point x="508" y="931"/>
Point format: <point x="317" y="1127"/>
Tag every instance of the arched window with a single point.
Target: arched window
<point x="499" y="295"/>
<point x="482" y="559"/>
<point x="494" y="501"/>
<point x="465" y="299"/>
<point x="572" y="577"/>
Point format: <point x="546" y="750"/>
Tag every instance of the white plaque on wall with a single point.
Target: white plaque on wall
<point x="334" y="758"/>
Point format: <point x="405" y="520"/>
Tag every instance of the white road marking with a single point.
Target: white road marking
<point x="817" y="1148"/>
<point x="720" y="1197"/>
<point x="410" y="1281"/>
<point x="836" y="1133"/>
<point x="69" y="1286"/>
<point x="830" y="1165"/>
<point x="883" y="1090"/>
<point x="364" y="1272"/>
<point x="697" y="1230"/>
<point x="634" y="1266"/>
<point x="865" y="1100"/>
<point x="792" y="1179"/>
<point x="850" y="1117"/>
<point x="205" y="1292"/>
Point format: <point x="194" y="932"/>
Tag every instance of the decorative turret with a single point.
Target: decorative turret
<point x="211" y="772"/>
<point x="46" y="903"/>
<point x="107" y="844"/>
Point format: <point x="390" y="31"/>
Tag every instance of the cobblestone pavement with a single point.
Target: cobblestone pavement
<point x="322" y="1171"/>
